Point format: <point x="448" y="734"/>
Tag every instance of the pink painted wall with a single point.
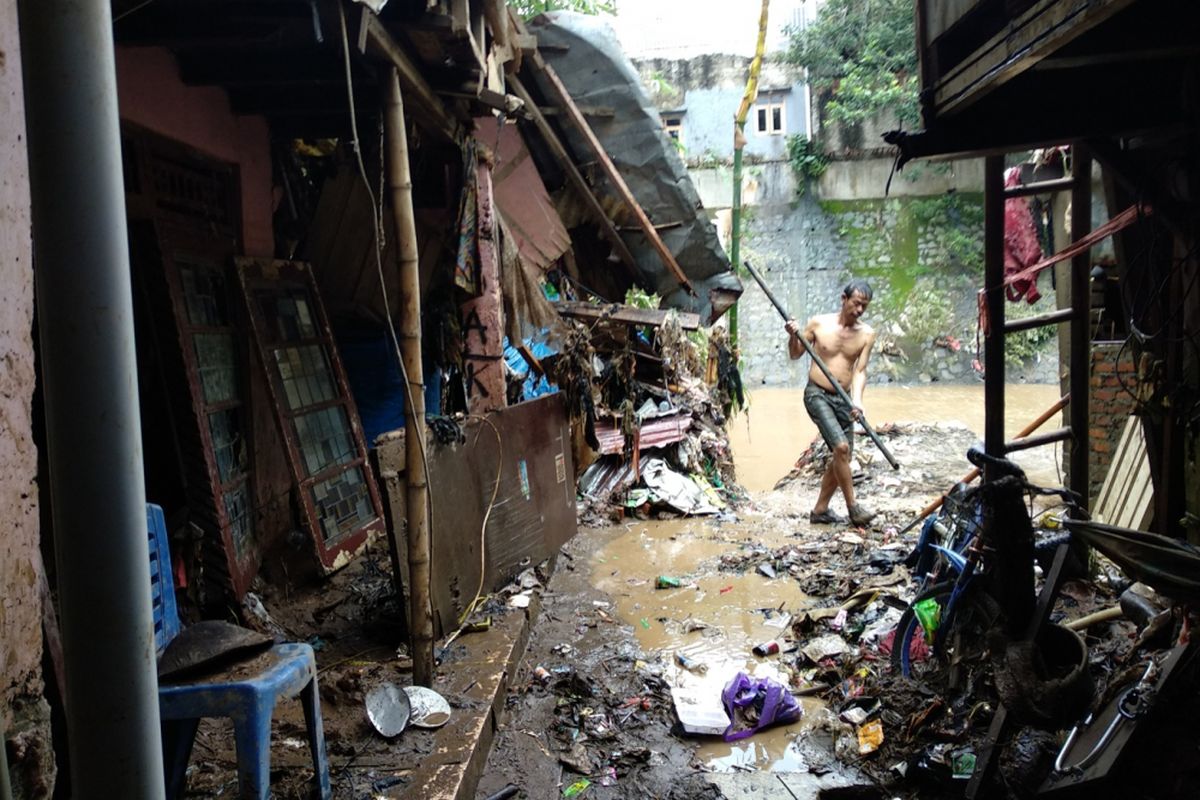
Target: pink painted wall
<point x="152" y="95"/>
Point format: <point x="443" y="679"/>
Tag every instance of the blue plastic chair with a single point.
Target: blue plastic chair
<point x="290" y="670"/>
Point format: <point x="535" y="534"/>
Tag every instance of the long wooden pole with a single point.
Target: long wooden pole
<point x="614" y="175"/>
<point x="974" y="473"/>
<point x="824" y="369"/>
<point x="739" y="144"/>
<point x="400" y="189"/>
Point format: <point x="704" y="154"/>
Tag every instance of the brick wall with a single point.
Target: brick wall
<point x="1110" y="406"/>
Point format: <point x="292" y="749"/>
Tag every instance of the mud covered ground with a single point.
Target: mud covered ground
<point x="610" y="642"/>
<point x="589" y="712"/>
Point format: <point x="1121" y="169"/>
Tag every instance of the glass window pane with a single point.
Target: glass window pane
<point x="241" y="527"/>
<point x="325" y="439"/>
<point x="204" y="295"/>
<point x="306" y="376"/>
<point x="216" y="362"/>
<point x="229" y="445"/>
<point x="777" y="119"/>
<point x="287" y="315"/>
<point x="342" y="503"/>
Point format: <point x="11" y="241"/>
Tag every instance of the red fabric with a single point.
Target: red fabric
<point x="1021" y="246"/>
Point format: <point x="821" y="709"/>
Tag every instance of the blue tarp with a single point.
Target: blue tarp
<point x="375" y="382"/>
<point x="534" y="386"/>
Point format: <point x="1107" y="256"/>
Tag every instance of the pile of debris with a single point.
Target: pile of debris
<point x="652" y="391"/>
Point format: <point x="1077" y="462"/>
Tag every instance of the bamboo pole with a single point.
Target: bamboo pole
<point x="739" y="143"/>
<point x="415" y="479"/>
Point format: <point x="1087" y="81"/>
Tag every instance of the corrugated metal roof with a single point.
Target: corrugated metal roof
<point x="654" y="433"/>
<point x="522" y="197"/>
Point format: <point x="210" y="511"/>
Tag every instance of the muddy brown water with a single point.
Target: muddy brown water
<point x="716" y="617"/>
<point x="767" y="440"/>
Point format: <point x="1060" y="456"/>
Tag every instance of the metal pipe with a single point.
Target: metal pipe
<point x="89" y="371"/>
<point x="415" y="479"/>
<point x="1041" y="187"/>
<point x="993" y="281"/>
<point x="1029" y="442"/>
<point x="1081" y="339"/>
<point x="1049" y="318"/>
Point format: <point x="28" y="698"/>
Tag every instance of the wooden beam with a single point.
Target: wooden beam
<point x="628" y="315"/>
<point x="1047" y="26"/>
<point x="614" y="176"/>
<point x="575" y="177"/>
<point x="374" y="40"/>
<point x="993" y="283"/>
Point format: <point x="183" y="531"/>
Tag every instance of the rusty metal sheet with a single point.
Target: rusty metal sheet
<point x="529" y="447"/>
<point x="522" y="197"/>
<point x="654" y="433"/>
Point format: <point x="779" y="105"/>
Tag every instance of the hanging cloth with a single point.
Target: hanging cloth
<point x="466" y="261"/>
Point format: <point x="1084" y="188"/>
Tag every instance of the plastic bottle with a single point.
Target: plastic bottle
<point x="766" y="648"/>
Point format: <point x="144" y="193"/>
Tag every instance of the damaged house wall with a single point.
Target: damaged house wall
<point x="151" y="94"/>
<point x="24" y="714"/>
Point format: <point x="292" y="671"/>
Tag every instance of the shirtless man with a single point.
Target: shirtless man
<point x="844" y="343"/>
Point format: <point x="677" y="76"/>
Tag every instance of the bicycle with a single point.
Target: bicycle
<point x="991" y="588"/>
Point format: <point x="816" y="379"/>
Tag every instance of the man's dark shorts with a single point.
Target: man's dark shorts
<point x="831" y="414"/>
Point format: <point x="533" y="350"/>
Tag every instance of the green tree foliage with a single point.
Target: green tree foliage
<point x="531" y="8"/>
<point x="862" y="56"/>
<point x="807" y="161"/>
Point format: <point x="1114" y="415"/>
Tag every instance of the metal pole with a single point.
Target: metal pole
<point x="1081" y="337"/>
<point x="993" y="280"/>
<point x="419" y="545"/>
<point x="93" y="427"/>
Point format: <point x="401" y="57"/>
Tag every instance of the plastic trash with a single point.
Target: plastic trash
<point x="766" y="648"/>
<point x="929" y="614"/>
<point x="388" y="709"/>
<point x="667" y="582"/>
<point x="870" y="736"/>
<point x="757" y="703"/>
<point x="691" y="664"/>
<point x="577" y="788"/>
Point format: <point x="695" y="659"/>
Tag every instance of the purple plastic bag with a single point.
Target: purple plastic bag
<point x="772" y="702"/>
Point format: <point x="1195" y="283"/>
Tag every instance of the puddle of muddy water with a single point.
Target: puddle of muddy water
<point x="767" y="441"/>
<point x="737" y="610"/>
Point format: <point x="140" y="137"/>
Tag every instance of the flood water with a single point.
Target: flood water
<point x="717" y="617"/>
<point x="714" y="620"/>
<point x="767" y="440"/>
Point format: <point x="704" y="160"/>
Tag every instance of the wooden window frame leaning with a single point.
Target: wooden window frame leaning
<point x="177" y="247"/>
<point x="275" y="277"/>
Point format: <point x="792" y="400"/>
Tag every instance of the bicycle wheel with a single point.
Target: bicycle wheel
<point x="961" y="635"/>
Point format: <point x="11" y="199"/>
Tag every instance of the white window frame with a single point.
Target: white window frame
<point x="765" y="110"/>
<point x="677" y="127"/>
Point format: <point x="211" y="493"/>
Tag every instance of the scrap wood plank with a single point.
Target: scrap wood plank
<point x="1127" y="495"/>
<point x="575" y="177"/>
<point x="629" y="315"/>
